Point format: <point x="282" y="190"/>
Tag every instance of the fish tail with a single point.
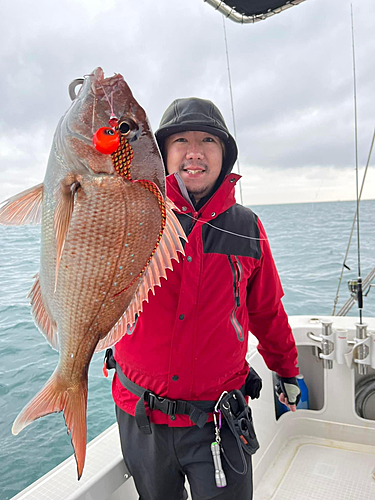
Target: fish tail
<point x="56" y="397"/>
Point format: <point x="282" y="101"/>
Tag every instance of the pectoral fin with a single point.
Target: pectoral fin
<point x="63" y="213"/>
<point x="23" y="208"/>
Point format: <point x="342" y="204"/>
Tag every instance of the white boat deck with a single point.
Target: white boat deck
<point x="104" y="465"/>
<point x="327" y="452"/>
<point x="320" y="469"/>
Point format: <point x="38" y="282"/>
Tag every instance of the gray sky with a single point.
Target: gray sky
<point x="292" y="84"/>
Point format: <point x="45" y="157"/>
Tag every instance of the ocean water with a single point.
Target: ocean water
<point x="308" y="243"/>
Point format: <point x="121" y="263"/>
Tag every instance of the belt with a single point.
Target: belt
<point x="197" y="410"/>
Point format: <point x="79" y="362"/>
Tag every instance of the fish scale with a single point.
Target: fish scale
<point x="122" y="159"/>
<point x="116" y="237"/>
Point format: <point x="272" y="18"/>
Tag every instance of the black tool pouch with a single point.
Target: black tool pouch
<point x="237" y="414"/>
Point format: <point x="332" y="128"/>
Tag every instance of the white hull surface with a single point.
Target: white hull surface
<point x="327" y="452"/>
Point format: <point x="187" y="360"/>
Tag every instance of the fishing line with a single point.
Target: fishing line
<point x="106" y="96"/>
<point x="110" y="102"/>
<point x="93" y="117"/>
<point x="232" y="104"/>
<point x="226" y="231"/>
<point x="356" y="143"/>
<point x="359" y="280"/>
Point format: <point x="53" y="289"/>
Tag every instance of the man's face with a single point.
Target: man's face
<point x="197" y="157"/>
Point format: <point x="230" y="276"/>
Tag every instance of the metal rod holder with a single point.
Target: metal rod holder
<point x="327" y="344"/>
<point x="363" y="349"/>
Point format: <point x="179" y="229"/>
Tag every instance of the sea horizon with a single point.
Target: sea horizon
<point x="307" y="202"/>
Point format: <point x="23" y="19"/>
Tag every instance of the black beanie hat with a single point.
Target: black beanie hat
<point x="193" y="113"/>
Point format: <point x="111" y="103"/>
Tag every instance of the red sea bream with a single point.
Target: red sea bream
<point x="108" y="236"/>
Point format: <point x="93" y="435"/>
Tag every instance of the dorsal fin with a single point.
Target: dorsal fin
<point x="166" y="251"/>
<point x="41" y="317"/>
<point x="23" y="208"/>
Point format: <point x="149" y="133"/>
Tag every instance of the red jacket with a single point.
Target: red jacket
<point x="190" y="342"/>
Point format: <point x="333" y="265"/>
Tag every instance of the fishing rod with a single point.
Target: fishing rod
<point x="355" y="286"/>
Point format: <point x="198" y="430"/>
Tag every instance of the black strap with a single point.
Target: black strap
<point x="197" y="410"/>
<point x="244" y="463"/>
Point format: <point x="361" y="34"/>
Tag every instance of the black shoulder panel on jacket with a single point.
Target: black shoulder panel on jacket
<point x="187" y="224"/>
<point x="237" y="219"/>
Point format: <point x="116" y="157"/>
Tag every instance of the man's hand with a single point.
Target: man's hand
<point x="284" y="401"/>
<point x="288" y="391"/>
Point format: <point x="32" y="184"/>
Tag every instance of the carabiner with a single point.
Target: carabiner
<point x="218" y="401"/>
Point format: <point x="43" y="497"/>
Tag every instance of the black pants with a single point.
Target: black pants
<point x="160" y="461"/>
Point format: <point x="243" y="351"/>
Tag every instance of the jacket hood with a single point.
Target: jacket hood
<point x="193" y="113"/>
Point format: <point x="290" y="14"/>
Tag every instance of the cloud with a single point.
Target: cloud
<point x="291" y="76"/>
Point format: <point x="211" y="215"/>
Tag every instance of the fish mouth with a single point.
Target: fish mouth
<point x="96" y="114"/>
<point x="96" y="103"/>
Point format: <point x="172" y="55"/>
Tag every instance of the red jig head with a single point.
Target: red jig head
<point x="106" y="140"/>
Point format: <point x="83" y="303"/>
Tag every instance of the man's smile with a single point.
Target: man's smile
<point x="193" y="169"/>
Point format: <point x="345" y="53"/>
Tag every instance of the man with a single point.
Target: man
<point x="190" y="342"/>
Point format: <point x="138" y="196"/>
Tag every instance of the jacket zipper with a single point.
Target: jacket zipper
<point x="237" y="276"/>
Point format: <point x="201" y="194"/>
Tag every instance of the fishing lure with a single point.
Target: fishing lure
<point x="106" y="139"/>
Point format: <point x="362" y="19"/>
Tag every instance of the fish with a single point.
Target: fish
<point x="108" y="236"/>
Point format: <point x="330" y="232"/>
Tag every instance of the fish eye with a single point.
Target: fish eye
<point x="128" y="128"/>
<point x="124" y="128"/>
